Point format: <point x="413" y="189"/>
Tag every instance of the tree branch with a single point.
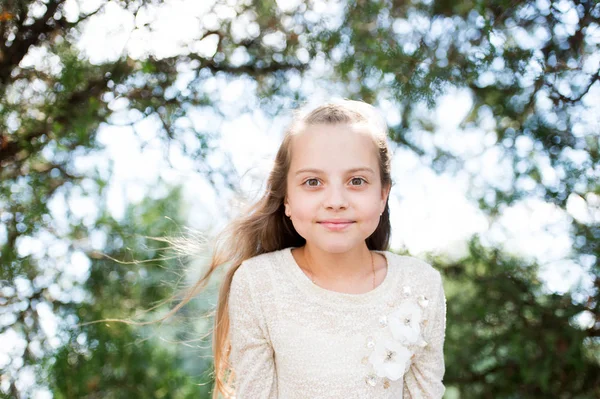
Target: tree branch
<point x="26" y="37"/>
<point x="557" y="96"/>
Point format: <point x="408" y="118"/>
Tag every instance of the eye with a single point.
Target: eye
<point x="359" y="179"/>
<point x="311" y="180"/>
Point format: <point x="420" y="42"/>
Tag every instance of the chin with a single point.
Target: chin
<point x="338" y="246"/>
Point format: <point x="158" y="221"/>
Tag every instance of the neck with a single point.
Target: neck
<point x="352" y="264"/>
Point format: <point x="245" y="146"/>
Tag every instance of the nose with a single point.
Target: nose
<point x="335" y="198"/>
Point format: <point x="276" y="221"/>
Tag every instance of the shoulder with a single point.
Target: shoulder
<point x="258" y="264"/>
<point x="416" y="270"/>
<point x="255" y="272"/>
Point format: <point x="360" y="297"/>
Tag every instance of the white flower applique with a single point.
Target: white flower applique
<point x="391" y="351"/>
<point x="405" y="323"/>
<point x="389" y="358"/>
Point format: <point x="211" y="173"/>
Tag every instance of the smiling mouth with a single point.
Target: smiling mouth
<point x="330" y="225"/>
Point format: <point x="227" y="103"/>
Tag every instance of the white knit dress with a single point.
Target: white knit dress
<point x="291" y="339"/>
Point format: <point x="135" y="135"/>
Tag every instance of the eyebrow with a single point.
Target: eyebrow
<point x="317" y="171"/>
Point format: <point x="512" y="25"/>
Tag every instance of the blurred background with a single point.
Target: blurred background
<point x="126" y="120"/>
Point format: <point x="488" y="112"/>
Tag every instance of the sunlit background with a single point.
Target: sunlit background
<point x="438" y="203"/>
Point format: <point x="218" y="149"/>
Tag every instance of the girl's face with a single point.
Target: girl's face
<point x="334" y="177"/>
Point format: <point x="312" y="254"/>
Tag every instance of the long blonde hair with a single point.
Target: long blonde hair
<point x="263" y="227"/>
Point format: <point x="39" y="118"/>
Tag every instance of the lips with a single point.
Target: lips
<point x="340" y="221"/>
<point x="336" y="224"/>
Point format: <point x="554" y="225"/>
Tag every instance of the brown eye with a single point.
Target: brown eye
<point x="358" y="179"/>
<point x="311" y="180"/>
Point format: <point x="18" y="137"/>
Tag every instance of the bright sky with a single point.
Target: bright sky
<point x="430" y="213"/>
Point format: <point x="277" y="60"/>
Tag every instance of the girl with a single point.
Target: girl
<point x="314" y="305"/>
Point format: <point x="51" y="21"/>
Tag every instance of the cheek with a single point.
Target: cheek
<point x="370" y="205"/>
<point x="303" y="206"/>
<point x="302" y="219"/>
<point x="303" y="211"/>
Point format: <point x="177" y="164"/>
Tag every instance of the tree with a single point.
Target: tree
<point x="117" y="360"/>
<point x="507" y="337"/>
<point x="528" y="67"/>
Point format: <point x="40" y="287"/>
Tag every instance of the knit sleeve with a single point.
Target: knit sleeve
<point x="251" y="355"/>
<point x="424" y="378"/>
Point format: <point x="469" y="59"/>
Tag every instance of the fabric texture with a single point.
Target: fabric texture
<point x="293" y="339"/>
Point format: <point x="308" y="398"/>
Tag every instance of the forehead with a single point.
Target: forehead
<point x="333" y="147"/>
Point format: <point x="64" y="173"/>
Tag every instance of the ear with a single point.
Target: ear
<point x="287" y="207"/>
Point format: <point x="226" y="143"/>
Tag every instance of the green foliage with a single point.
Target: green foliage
<point x="509" y="336"/>
<point x="108" y="361"/>
<point x="528" y="67"/>
<point x="116" y="360"/>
